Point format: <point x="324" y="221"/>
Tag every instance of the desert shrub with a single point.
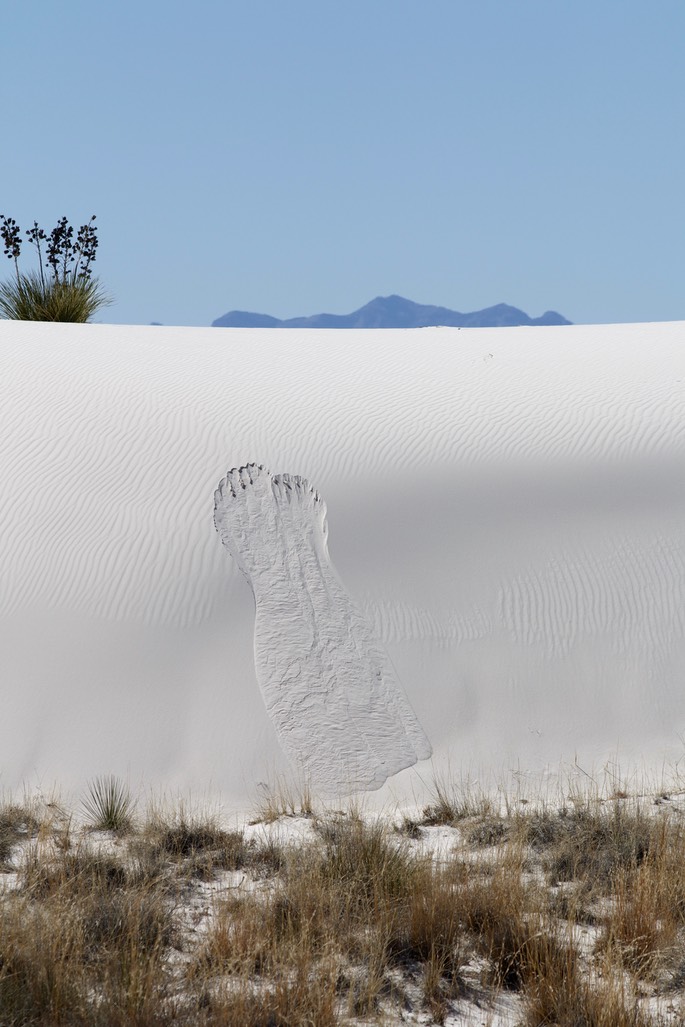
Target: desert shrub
<point x="17" y="823"/>
<point x="38" y="956"/>
<point x="590" y="844"/>
<point x="30" y="299"/>
<point x="449" y="806"/>
<point x="83" y="941"/>
<point x="559" y="994"/>
<point x="284" y="800"/>
<point x="109" y="805"/>
<point x="200" y="848"/>
<point x="342" y="893"/>
<point x="62" y="288"/>
<point x="352" y="924"/>
<point x="487" y="831"/>
<point x="73" y="874"/>
<point x="241" y="940"/>
<point x="647" y="912"/>
<point x="186" y="840"/>
<point x="503" y="918"/>
<point x="137" y="920"/>
<point x="409" y="827"/>
<point x="361" y="857"/>
<point x="300" y="998"/>
<point x="428" y="929"/>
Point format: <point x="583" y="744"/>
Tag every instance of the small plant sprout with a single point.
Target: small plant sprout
<point x="108" y="805"/>
<point x="62" y="289"/>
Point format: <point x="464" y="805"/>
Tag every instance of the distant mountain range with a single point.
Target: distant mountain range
<point x="395" y="312"/>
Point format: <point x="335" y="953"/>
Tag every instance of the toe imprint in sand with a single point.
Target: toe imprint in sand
<point x="328" y="685"/>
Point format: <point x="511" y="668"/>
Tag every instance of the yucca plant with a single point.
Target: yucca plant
<point x="108" y="805"/>
<point x="30" y="299"/>
<point x="62" y="289"/>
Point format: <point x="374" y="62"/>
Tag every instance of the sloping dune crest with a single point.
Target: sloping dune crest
<point x="506" y="510"/>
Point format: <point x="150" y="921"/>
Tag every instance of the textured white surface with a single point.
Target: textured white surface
<point x="507" y="507"/>
<point x="328" y="686"/>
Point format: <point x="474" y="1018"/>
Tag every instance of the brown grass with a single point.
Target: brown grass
<point x="184" y="922"/>
<point x="17" y="823"/>
<point x="589" y="842"/>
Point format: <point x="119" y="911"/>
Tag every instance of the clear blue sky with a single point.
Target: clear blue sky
<point x="305" y="156"/>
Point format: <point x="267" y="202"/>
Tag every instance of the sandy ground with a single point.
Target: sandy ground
<point x="505" y="517"/>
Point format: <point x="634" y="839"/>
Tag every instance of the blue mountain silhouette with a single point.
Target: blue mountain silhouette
<point x="395" y="312"/>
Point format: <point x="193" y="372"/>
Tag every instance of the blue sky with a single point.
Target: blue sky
<point x="299" y="157"/>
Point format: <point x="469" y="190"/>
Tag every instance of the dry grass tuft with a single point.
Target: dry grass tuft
<point x="292" y="999"/>
<point x="198" y="848"/>
<point x="17" y="823"/>
<point x="589" y="842"/>
<point x="72" y="874"/>
<point x="645" y="931"/>
<point x="566" y="999"/>
<point x="450" y="805"/>
<point x="183" y="922"/>
<point x="283" y="800"/>
<point x="365" y="860"/>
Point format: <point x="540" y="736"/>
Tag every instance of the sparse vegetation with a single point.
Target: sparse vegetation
<point x="570" y="913"/>
<point x="62" y="289"/>
<point x="17" y="823"/>
<point x="109" y="804"/>
<point x="451" y="805"/>
<point x="282" y="800"/>
<point x="591" y="842"/>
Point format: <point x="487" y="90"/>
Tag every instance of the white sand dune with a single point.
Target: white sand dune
<point x="330" y="690"/>
<point x="507" y="520"/>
